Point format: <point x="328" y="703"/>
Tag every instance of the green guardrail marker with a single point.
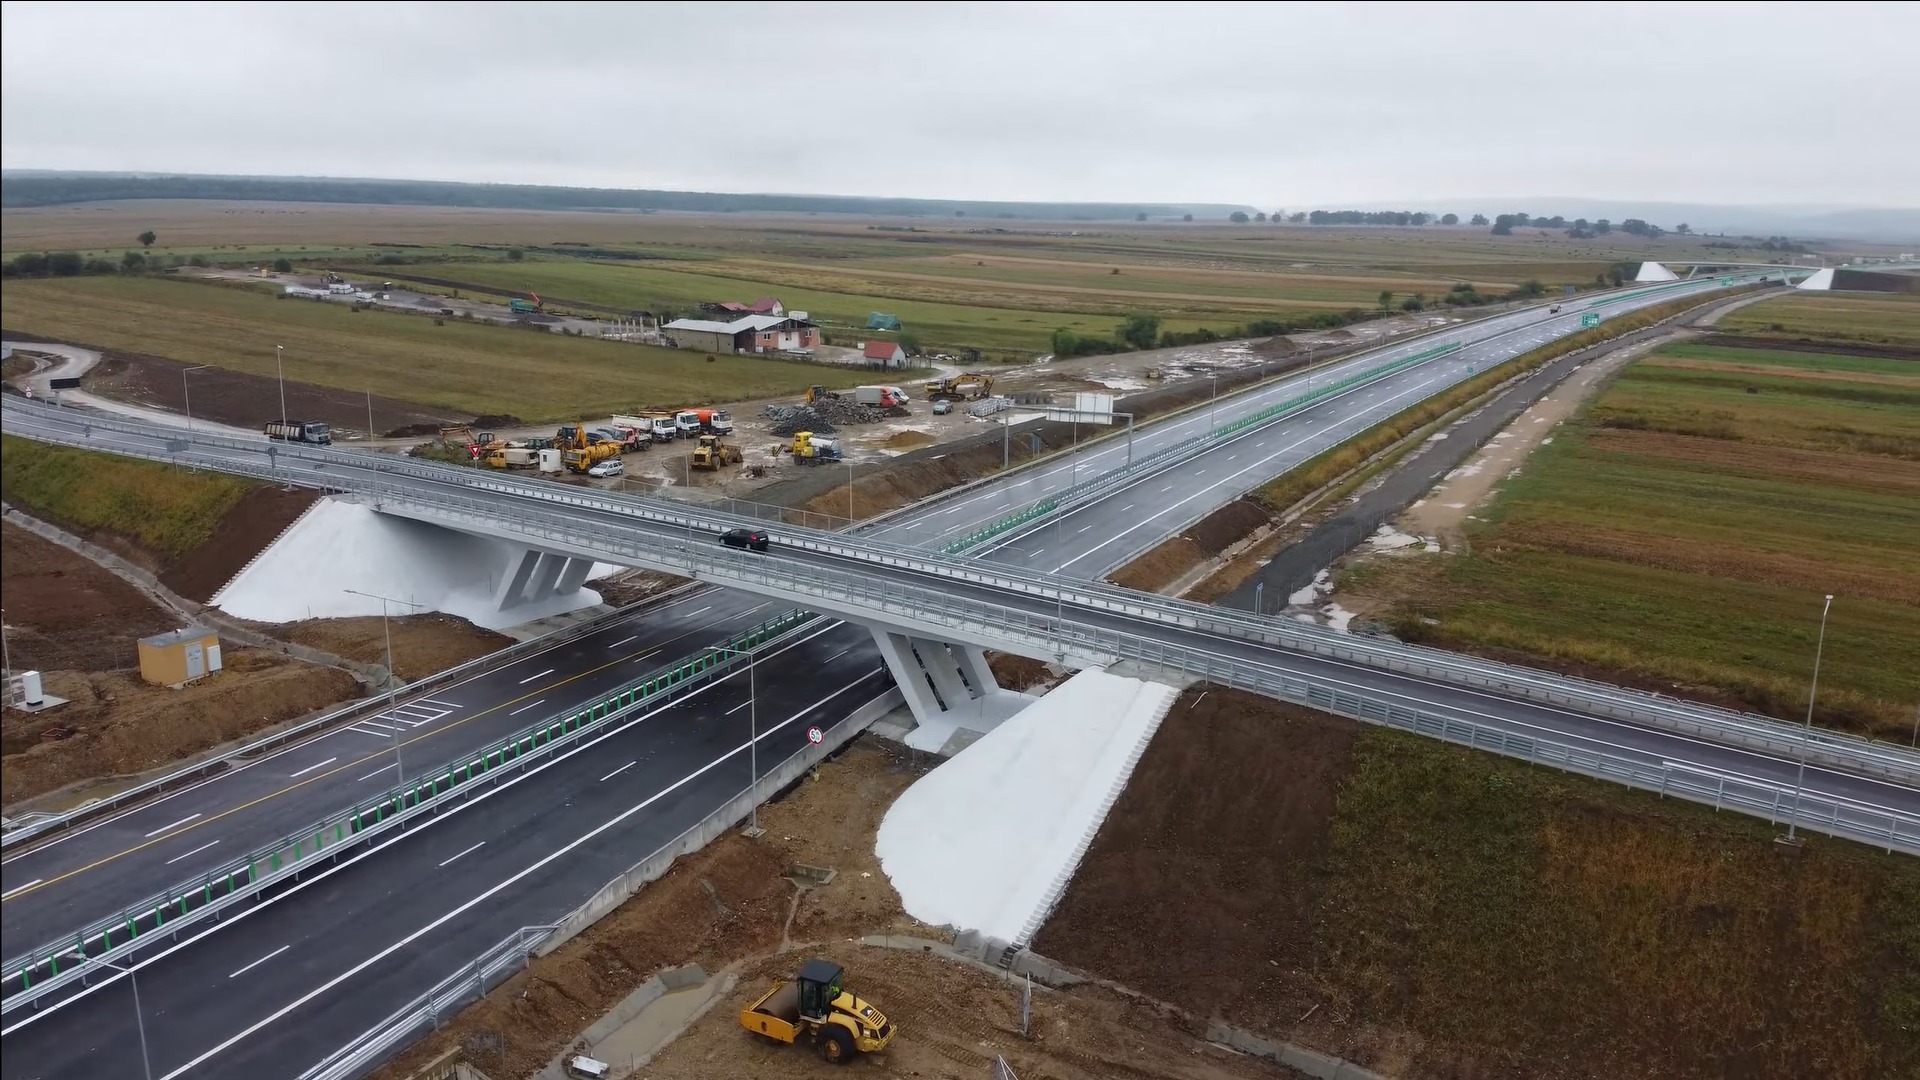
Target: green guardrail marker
<point x="1726" y="281"/>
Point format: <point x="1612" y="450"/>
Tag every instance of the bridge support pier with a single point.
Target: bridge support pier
<point x="949" y="687"/>
<point x="534" y="576"/>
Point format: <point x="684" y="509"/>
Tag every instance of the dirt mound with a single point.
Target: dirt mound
<point x="1018" y="672"/>
<point x="248" y="401"/>
<point x="1276" y="346"/>
<point x="907" y="440"/>
<point x="1233" y="794"/>
<point x="1159" y="566"/>
<point x="422" y="644"/>
<point x="248" y="529"/>
<point x="123" y="725"/>
<point x="1228" y="526"/>
<point x="496" y="420"/>
<point x="65" y="613"/>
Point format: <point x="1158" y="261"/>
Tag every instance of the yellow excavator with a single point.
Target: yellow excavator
<point x="815" y="1004"/>
<point x="712" y="453"/>
<point x="967" y="387"/>
<point x="582" y="455"/>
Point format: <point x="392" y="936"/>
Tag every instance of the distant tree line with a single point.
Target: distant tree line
<point x="56" y="190"/>
<point x="42" y="264"/>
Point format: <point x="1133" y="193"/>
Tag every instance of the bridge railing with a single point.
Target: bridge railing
<point x="450" y="492"/>
<point x="465" y="496"/>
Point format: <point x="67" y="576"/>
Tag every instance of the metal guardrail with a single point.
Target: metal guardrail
<point x="27" y="826"/>
<point x="27" y="977"/>
<point x="1159" y="459"/>
<point x="446" y="496"/>
<point x="473" y="980"/>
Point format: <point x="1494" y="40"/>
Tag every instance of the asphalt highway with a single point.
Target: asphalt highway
<point x="100" y="868"/>
<point x="281" y="986"/>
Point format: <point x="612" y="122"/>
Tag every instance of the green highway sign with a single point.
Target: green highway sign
<point x="1726" y="281"/>
<point x="1590" y="320"/>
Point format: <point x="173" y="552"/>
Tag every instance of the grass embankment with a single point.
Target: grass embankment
<point x="1684" y="529"/>
<point x="1437" y="912"/>
<point x="167" y="511"/>
<point x="459" y="366"/>
<point x="1551" y="925"/>
<point x="1319" y="471"/>
<point x="1871" y="318"/>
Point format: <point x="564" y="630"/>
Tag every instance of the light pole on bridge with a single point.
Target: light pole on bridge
<point x="1806" y="742"/>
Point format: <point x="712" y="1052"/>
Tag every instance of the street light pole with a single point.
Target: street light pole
<point x="188" y="394"/>
<point x="1213" y="402"/>
<point x="850" y="518"/>
<point x="370" y="432"/>
<point x="1807" y="736"/>
<point x="753" y="736"/>
<point x="393" y="684"/>
<point x="139" y="1018"/>
<point x="280" y="368"/>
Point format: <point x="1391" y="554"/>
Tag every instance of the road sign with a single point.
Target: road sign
<point x="1726" y="281"/>
<point x="1590" y="320"/>
<point x="816" y="736"/>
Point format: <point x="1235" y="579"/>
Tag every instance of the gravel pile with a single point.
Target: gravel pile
<point x="788" y="419"/>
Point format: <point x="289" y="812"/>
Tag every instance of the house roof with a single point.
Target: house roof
<point x="740" y="325"/>
<point x="733" y="306"/>
<point x="882" y="350"/>
<point x="764" y="305"/>
<point x="175" y="637"/>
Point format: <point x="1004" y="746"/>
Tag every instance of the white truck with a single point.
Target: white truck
<point x="880" y="397"/>
<point x="688" y="423"/>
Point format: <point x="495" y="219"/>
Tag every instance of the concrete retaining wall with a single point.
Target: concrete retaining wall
<point x="615" y="892"/>
<point x="630" y="1006"/>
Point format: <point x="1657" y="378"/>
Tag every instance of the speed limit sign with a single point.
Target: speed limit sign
<point x="816" y="736"/>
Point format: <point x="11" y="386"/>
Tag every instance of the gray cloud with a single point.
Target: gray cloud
<point x="1287" y="105"/>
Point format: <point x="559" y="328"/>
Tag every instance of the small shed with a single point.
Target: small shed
<point x="179" y="656"/>
<point x="887" y="354"/>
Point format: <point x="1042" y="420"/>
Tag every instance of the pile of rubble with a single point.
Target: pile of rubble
<point x="822" y="416"/>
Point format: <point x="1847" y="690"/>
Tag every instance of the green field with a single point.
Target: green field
<point x="1872" y="318"/>
<point x="1685" y="528"/>
<point x="459" y="367"/>
<point x="165" y="510"/>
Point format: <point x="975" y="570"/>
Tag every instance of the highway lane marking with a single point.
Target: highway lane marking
<point x="443" y="704"/>
<point x="1166" y="489"/>
<point x="469" y="905"/>
<point x="674" y="602"/>
<point x="470" y="850"/>
<point x="623" y="641"/>
<point x="839" y="654"/>
<point x="376" y="734"/>
<point x="738" y="707"/>
<point x="365" y="778"/>
<point x="702" y="611"/>
<point x="530" y="678"/>
<point x="527" y="706"/>
<point x="605" y="778"/>
<point x="175" y="825"/>
<point x="260" y="961"/>
<point x="362" y="760"/>
<point x="1084" y="528"/>
<point x="302" y="772"/>
<point x="195" y="851"/>
<point x="18" y="889"/>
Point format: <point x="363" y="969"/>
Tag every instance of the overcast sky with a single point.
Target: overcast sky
<point x="1270" y="104"/>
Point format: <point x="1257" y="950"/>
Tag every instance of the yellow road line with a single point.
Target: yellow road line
<point x="355" y="763"/>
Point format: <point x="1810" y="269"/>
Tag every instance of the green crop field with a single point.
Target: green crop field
<point x="1685" y="527"/>
<point x="460" y="367"/>
<point x="1873" y="318"/>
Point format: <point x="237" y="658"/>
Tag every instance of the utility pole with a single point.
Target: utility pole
<point x="370" y="432"/>
<point x="188" y="394"/>
<point x="393" y="680"/>
<point x="280" y="367"/>
<point x="1807" y="736"/>
<point x="753" y="736"/>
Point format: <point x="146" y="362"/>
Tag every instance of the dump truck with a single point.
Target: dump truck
<point x="582" y="452"/>
<point x="811" y="449"/>
<point x="526" y="307"/>
<point x="654" y="427"/>
<point x="301" y="431"/>
<point x="712" y="453"/>
<point x="816" y="1005"/>
<point x="966" y="387"/>
<point x="715" y="421"/>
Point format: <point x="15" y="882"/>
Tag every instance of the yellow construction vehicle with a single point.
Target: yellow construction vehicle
<point x="967" y="387"/>
<point x="811" y="449"/>
<point x="582" y="455"/>
<point x="712" y="453"/>
<point x="815" y="1004"/>
<point x="821" y="393"/>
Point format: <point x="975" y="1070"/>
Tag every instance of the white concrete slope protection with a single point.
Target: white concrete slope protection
<point x="1653" y="271"/>
<point x="1819" y="281"/>
<point x="988" y="841"/>
<point x="340" y="545"/>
